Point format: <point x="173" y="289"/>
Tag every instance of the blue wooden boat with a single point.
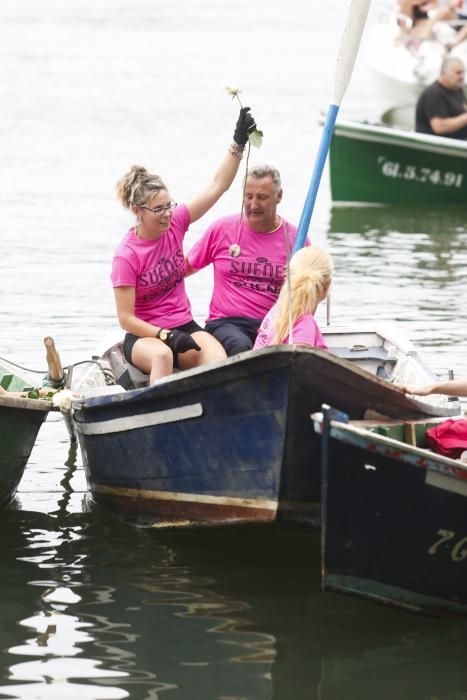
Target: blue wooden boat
<point x="20" y="421"/>
<point x="230" y="442"/>
<point x="394" y="526"/>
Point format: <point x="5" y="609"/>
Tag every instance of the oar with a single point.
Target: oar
<point x="356" y="19"/>
<point x="56" y="375"/>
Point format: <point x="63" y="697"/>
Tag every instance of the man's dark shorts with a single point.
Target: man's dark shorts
<point x="235" y="333"/>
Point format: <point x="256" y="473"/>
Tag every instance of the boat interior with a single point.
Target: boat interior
<point x="412" y="432"/>
<point x="389" y="434"/>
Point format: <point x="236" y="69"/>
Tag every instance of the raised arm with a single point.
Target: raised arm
<point x="225" y="174"/>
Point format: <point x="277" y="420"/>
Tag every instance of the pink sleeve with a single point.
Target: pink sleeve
<point x="306" y="332"/>
<point x="294" y="235"/>
<point x="180" y="220"/>
<point x="200" y="254"/>
<point x="123" y="273"/>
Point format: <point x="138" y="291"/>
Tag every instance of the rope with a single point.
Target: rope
<point x="44" y="371"/>
<point x="108" y="374"/>
<point x="289" y="292"/>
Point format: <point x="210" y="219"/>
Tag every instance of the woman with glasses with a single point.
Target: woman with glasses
<point x="148" y="268"/>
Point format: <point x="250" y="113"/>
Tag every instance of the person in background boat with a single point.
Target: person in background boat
<point x="310" y="274"/>
<point x="453" y="387"/>
<point x="417" y="18"/>
<point x="460" y="8"/>
<point x="249" y="256"/>
<point x="441" y="108"/>
<point x="459" y="15"/>
<point x="148" y="267"/>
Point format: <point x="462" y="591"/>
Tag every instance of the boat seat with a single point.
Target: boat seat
<point x="374" y="359"/>
<point x="127" y="375"/>
<point x="359" y="352"/>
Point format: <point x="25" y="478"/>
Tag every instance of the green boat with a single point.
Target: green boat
<point x="20" y="421"/>
<point x="378" y="164"/>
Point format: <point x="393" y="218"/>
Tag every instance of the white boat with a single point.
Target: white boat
<point x="400" y="72"/>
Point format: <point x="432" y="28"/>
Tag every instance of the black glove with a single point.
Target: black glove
<point x="244" y="126"/>
<point x="180" y="342"/>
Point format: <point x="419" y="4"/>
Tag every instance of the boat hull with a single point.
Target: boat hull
<point x="378" y="164"/>
<point x="227" y="443"/>
<point x="20" y="421"/>
<point x="394" y="527"/>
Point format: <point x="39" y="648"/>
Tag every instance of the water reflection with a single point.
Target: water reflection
<point x="434" y="222"/>
<point x="93" y="608"/>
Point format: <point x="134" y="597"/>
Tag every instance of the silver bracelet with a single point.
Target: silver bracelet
<point x="236" y="150"/>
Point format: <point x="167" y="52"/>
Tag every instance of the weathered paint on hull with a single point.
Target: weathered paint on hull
<point x="382" y="165"/>
<point x="19" y="426"/>
<point x="184" y="508"/>
<point x="219" y="464"/>
<point x="394" y="526"/>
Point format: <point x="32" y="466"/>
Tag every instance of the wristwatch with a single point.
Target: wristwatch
<point x="163" y="334"/>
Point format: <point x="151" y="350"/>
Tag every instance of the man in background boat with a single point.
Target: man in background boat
<point x="441" y="108"/>
<point x="249" y="256"/>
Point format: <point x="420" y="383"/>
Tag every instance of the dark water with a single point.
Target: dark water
<point x="94" y="608"/>
<point x="91" y="607"/>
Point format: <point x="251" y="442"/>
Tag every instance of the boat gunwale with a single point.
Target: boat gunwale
<point x="368" y="435"/>
<point x="286" y="355"/>
<point x="393" y="136"/>
<point x="44" y="405"/>
<point x="282" y="357"/>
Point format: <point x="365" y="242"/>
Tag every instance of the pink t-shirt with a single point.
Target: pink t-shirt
<point x="247" y="285"/>
<point x="305" y="331"/>
<point x="156" y="269"/>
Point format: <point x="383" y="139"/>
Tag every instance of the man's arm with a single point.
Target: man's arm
<point x="447" y="125"/>
<point x="189" y="269"/>
<point x="453" y="387"/>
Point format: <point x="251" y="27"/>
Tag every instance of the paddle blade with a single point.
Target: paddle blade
<point x="350" y="43"/>
<point x="356" y="19"/>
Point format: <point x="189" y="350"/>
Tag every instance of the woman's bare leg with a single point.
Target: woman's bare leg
<point x="152" y="356"/>
<point x="211" y="351"/>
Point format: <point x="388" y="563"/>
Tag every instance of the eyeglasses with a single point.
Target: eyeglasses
<point x="158" y="211"/>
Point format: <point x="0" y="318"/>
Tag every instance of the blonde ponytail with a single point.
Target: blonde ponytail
<point x="310" y="272"/>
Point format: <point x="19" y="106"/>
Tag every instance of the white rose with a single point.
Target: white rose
<point x="233" y="90"/>
<point x="62" y="400"/>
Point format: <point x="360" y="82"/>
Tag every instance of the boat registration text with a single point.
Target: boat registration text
<point x="390" y="168"/>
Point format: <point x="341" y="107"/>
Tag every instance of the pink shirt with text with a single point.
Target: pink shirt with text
<point x="305" y="331"/>
<point x="156" y="270"/>
<point x="247" y="285"/>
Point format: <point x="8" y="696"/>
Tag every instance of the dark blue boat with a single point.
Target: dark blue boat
<point x="394" y="525"/>
<point x="231" y="441"/>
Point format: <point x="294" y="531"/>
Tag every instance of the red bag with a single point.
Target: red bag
<point x="448" y="438"/>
